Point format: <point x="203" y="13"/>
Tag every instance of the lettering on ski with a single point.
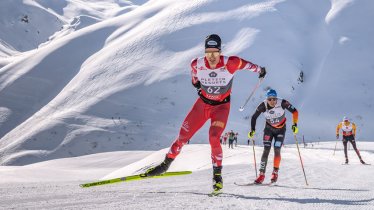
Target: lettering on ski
<point x="133" y="178"/>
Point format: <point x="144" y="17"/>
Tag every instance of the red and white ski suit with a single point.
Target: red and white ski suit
<point x="213" y="103"/>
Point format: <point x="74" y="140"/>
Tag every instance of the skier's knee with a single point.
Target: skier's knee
<point x="277" y="144"/>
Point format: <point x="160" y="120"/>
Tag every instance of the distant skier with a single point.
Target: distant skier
<point x="225" y="138"/>
<point x="349" y="133"/>
<point x="231" y="139"/>
<point x="275" y="127"/>
<point x="212" y="76"/>
<point x="236" y="139"/>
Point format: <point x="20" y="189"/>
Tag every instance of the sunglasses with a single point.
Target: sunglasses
<point x="272" y="99"/>
<point x="215" y="53"/>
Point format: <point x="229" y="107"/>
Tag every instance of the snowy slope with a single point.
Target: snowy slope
<point x="26" y="25"/>
<point x="122" y="83"/>
<point x="55" y="184"/>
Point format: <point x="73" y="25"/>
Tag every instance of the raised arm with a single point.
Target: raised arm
<point x="235" y="63"/>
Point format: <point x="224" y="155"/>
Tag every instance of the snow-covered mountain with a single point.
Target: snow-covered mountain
<point x="114" y="75"/>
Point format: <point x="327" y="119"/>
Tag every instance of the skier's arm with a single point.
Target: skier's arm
<point x="295" y="114"/>
<point x="338" y="129"/>
<point x="195" y="80"/>
<point x="235" y="63"/>
<point x="261" y="108"/>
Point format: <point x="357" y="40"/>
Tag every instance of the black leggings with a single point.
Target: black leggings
<point x="353" y="142"/>
<point x="269" y="134"/>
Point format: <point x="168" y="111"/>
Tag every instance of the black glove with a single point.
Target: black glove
<point x="262" y="73"/>
<point x="197" y="85"/>
<point x="295" y="129"/>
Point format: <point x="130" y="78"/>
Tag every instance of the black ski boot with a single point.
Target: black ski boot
<point x="346" y="161"/>
<point x="363" y="162"/>
<point x="217" y="178"/>
<point x="160" y="169"/>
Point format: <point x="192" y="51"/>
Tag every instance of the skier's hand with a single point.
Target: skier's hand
<point x="197" y="85"/>
<point x="295" y="129"/>
<point x="251" y="134"/>
<point x="262" y="73"/>
<point x="337" y="136"/>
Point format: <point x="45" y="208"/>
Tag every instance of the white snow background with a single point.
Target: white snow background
<point x="94" y="89"/>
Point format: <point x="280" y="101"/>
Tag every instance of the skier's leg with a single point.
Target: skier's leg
<point x="192" y="123"/>
<point x="278" y="142"/>
<point x="353" y="142"/>
<point x="268" y="137"/>
<point x="219" y="115"/>
<point x="345" y="149"/>
<point x="194" y="120"/>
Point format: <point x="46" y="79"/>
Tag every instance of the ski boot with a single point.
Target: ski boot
<point x="260" y="178"/>
<point x="217" y="178"/>
<point x="160" y="169"/>
<point x="363" y="162"/>
<point x="346" y="161"/>
<point x="274" y="176"/>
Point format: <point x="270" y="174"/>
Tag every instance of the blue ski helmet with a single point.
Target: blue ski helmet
<point x="271" y="93"/>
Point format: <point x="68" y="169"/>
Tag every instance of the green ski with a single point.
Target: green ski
<point x="215" y="193"/>
<point x="133" y="178"/>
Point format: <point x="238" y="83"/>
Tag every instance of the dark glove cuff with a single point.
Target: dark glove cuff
<point x="197" y="85"/>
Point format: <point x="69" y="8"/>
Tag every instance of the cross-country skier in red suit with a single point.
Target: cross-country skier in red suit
<point x="212" y="76"/>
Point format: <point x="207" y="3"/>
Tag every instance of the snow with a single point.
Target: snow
<point x="96" y="89"/>
<point x="54" y="184"/>
<point x="112" y="80"/>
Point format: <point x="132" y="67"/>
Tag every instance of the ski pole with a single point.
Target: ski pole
<point x="301" y="161"/>
<point x="254" y="155"/>
<point x="253" y="91"/>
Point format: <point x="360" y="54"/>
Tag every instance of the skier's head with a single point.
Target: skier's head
<point x="345" y="119"/>
<point x="271" y="96"/>
<point x="271" y="93"/>
<point x="213" y="49"/>
<point x="213" y="41"/>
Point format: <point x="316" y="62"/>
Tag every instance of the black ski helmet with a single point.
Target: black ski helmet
<point x="213" y="41"/>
